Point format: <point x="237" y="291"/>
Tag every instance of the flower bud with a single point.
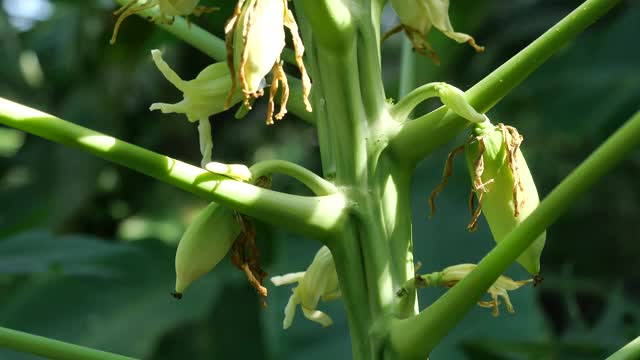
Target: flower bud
<point x="503" y="185"/>
<point x="419" y="16"/>
<point x="202" y="97"/>
<point x="255" y="38"/>
<point x="454" y="99"/>
<point x="320" y="281"/>
<point x="235" y="171"/>
<point x="206" y="241"/>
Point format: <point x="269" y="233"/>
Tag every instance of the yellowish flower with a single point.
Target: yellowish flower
<point x="451" y="275"/>
<point x="320" y="281"/>
<point x="202" y="97"/>
<point x="419" y="16"/>
<point x="255" y="38"/>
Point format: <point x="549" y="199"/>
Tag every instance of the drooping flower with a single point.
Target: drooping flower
<point x="168" y="10"/>
<point x="452" y="275"/>
<point x="255" y="38"/>
<point x="202" y="97"/>
<point x="320" y="281"/>
<point x="419" y="16"/>
<point x="502" y="184"/>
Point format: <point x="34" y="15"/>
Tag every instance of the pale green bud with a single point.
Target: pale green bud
<point x="454" y="99"/>
<point x="320" y="281"/>
<point x="504" y="186"/>
<point x="235" y="171"/>
<point x="206" y="241"/>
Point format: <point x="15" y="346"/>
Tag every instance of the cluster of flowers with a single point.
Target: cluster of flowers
<point x="255" y="39"/>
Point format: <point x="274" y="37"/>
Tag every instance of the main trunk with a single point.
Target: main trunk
<point x="373" y="255"/>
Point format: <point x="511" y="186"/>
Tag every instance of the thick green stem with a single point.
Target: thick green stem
<point x="627" y="352"/>
<point x="373" y="253"/>
<point x="315" y="183"/>
<point x="50" y="348"/>
<point x="419" y="137"/>
<point x="417" y="336"/>
<point x="216" y="49"/>
<point x="332" y="22"/>
<point x="316" y="217"/>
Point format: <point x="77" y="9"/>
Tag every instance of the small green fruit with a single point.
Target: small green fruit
<point x="206" y="241"/>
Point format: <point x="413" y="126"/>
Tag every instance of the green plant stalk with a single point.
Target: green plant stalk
<point x="52" y="349"/>
<point x="401" y="110"/>
<point x="627" y="352"/>
<point x="215" y="48"/>
<point x="312" y="216"/>
<point x="315" y="183"/>
<point x="373" y="252"/>
<point x="417" y="336"/>
<point x="407" y="69"/>
<point x="332" y="23"/>
<point x="418" y="138"/>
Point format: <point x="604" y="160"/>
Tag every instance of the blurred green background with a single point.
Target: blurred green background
<point x="86" y="247"/>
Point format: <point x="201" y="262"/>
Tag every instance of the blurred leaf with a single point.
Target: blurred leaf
<point x="40" y="252"/>
<point x="126" y="315"/>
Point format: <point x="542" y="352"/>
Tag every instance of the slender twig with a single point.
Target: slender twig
<point x="50" y="348"/>
<point x="315" y="183"/>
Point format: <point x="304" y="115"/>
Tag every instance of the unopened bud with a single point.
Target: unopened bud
<point x="206" y="241"/>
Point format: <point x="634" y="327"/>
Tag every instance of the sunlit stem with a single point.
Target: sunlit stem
<point x="315" y="183"/>
<point x="50" y="348"/>
<point x="312" y="216"/>
<point x="629" y="351"/>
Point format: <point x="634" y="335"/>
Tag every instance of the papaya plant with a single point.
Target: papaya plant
<point x="369" y="145"/>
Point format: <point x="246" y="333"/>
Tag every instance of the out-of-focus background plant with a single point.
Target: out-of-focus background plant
<point x="110" y="289"/>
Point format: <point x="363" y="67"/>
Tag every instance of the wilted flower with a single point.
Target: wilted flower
<point x="202" y="97"/>
<point x="503" y="185"/>
<point x="419" y="16"/>
<point x="451" y="275"/>
<point x="168" y="9"/>
<point x="320" y="281"/>
<point x="255" y="38"/>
